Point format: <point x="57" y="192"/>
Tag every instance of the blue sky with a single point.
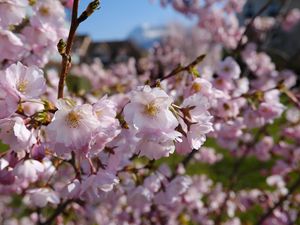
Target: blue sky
<point x="117" y="18"/>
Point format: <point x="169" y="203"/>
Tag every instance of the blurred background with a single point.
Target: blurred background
<point x="128" y="28"/>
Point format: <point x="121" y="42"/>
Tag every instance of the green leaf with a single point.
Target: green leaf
<point x="194" y="71"/>
<point x="3" y="147"/>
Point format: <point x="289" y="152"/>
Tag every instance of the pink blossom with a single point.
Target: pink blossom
<point x="208" y="155"/>
<point x="229" y="69"/>
<point x="69" y="3"/>
<point x="263" y="148"/>
<point x="204" y="87"/>
<point x="94" y="185"/>
<point x="48" y="12"/>
<point x="12" y="12"/>
<point x="227" y="108"/>
<point x="292" y="132"/>
<point x="149" y="115"/>
<point x="223" y="84"/>
<point x="140" y="198"/>
<point x="270" y="111"/>
<point x="153" y="182"/>
<point x="26" y="82"/>
<point x="277" y="180"/>
<point x="29" y="170"/>
<point x="155" y="149"/>
<point x="13" y="132"/>
<point x="149" y="109"/>
<point x="77" y="123"/>
<point x="235" y="221"/>
<point x="38" y="151"/>
<point x="281" y="168"/>
<point x="105" y="111"/>
<point x="30" y="108"/>
<point x="6" y="177"/>
<point x="293" y="115"/>
<point x="252" y="118"/>
<point x="183" y="147"/>
<point x="196" y="135"/>
<point x="6" y="174"/>
<point x="264" y="23"/>
<point x="174" y="190"/>
<point x="71" y="190"/>
<point x="199" y="118"/>
<point x="288" y="77"/>
<point x="11" y="47"/>
<point x="8" y="102"/>
<point x="291" y="19"/>
<point x="41" y="196"/>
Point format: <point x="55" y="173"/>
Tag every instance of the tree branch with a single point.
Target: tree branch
<point x="60" y="208"/>
<point x="180" y="68"/>
<point x="249" y="24"/>
<point x="66" y="58"/>
<point x="270" y="211"/>
<point x="65" y="49"/>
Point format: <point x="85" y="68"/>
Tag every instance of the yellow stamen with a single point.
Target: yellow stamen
<point x="73" y="119"/>
<point x="99" y="113"/>
<point x="151" y="109"/>
<point x="22" y="86"/>
<point x="32" y="2"/>
<point x="196" y="87"/>
<point x="44" y="11"/>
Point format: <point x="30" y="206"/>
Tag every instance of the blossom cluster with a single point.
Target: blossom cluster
<point x="30" y="30"/>
<point x="164" y="139"/>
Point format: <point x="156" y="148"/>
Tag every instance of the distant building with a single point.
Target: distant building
<point x="108" y="52"/>
<point x="80" y="46"/>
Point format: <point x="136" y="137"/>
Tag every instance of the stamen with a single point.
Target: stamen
<point x="44" y="11"/>
<point x="151" y="109"/>
<point x="73" y="119"/>
<point x="22" y="86"/>
<point x="196" y="87"/>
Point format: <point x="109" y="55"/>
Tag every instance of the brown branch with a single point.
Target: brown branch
<point x="65" y="49"/>
<point x="270" y="211"/>
<point x="291" y="96"/>
<point x="249" y="24"/>
<point x="185" y="161"/>
<point x="180" y="68"/>
<point x="66" y="58"/>
<point x="60" y="209"/>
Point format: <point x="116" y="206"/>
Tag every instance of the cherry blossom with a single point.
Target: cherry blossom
<point x="26" y="82"/>
<point x="14" y="133"/>
<point x="202" y="129"/>
<point x="77" y="123"/>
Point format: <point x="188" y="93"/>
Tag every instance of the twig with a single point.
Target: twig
<point x="270" y="211"/>
<point x="60" y="208"/>
<point x="65" y="49"/>
<point x="180" y="68"/>
<point x="249" y="24"/>
<point x="291" y="96"/>
<point x="185" y="161"/>
<point x="72" y="161"/>
<point x="66" y="60"/>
